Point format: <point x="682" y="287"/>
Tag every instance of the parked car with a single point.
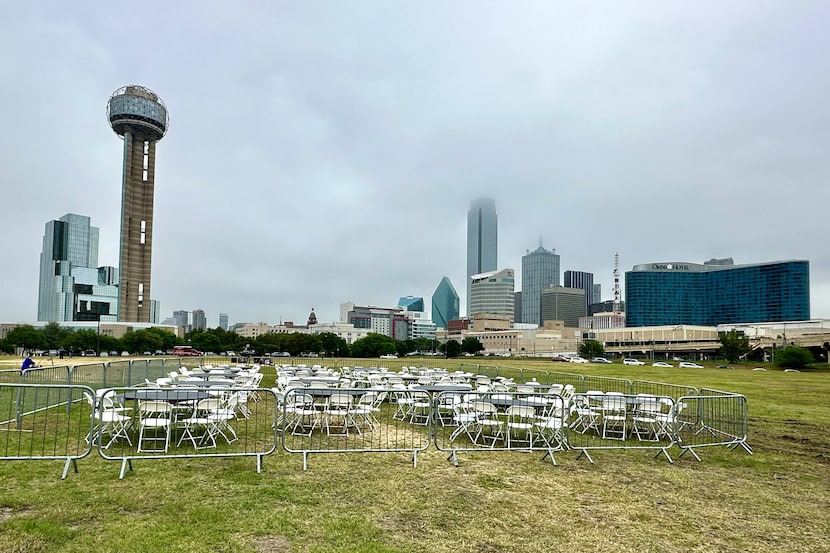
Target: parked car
<point x="158" y="352"/>
<point x="661" y="364"/>
<point x="689" y="365"/>
<point x="577" y="359"/>
<point x="147" y="353"/>
<point x="724" y="367"/>
<point x="125" y="354"/>
<point x="113" y="354"/>
<point x="388" y="356"/>
<point x="89" y="353"/>
<point x="601" y="360"/>
<point x="559" y="359"/>
<point x="632" y="361"/>
<point x="104" y="354"/>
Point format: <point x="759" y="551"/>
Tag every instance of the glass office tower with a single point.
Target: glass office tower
<point x="583" y="281"/>
<point x="412" y="303"/>
<point x="445" y="304"/>
<point x="709" y="295"/>
<point x="72" y="287"/>
<point x="540" y="269"/>
<point x="482" y="240"/>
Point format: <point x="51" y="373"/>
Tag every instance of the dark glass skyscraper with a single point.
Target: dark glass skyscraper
<point x="445" y="304"/>
<point x="583" y="281"/>
<point x="540" y="269"/>
<point x="708" y="295"/>
<point x="482" y="240"/>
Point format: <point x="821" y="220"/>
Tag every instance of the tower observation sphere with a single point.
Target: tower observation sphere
<point x="139" y="117"/>
<point x="137" y="109"/>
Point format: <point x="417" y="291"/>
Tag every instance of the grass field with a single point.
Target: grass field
<point x="777" y="499"/>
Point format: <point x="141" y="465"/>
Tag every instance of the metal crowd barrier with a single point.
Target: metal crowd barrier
<point x="41" y="421"/>
<point x="354" y="420"/>
<point x="57" y="421"/>
<point x="495" y="421"/>
<point x="712" y="418"/>
<point x="621" y="421"/>
<point x="674" y="391"/>
<point x="185" y="422"/>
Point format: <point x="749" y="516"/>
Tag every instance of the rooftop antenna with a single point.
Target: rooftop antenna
<point x="616" y="283"/>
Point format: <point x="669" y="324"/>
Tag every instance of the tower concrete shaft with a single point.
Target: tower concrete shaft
<point x="136" y="226"/>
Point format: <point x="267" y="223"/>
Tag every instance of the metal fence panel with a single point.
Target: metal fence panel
<point x="621" y="421"/>
<point x="607" y="384"/>
<point x="354" y="420"/>
<point x="43" y="421"/>
<point x="712" y="420"/>
<point x="215" y="421"/>
<point x="498" y="421"/>
<point x="674" y="391"/>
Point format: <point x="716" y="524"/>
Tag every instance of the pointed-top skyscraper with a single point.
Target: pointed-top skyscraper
<point x="444" y="304"/>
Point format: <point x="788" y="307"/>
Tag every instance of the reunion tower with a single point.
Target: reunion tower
<point x="137" y="115"/>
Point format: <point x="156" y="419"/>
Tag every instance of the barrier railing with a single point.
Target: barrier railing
<point x="674" y="391"/>
<point x="621" y="421"/>
<point x="354" y="420"/>
<point x="38" y="421"/>
<point x="606" y="384"/>
<point x="493" y="421"/>
<point x="57" y="421"/>
<point x="185" y="422"/>
<point x="713" y="418"/>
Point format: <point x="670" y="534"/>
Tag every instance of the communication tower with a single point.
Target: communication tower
<point x="139" y="117"/>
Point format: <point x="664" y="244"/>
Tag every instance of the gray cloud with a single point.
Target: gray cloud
<point x="320" y="153"/>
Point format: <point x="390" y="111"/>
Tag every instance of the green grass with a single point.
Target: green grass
<point x="775" y="500"/>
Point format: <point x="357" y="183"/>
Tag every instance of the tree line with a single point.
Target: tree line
<point x="218" y="341"/>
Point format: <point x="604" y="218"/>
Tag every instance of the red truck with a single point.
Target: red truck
<point x="186" y="351"/>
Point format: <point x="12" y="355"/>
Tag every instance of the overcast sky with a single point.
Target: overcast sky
<point x="324" y="152"/>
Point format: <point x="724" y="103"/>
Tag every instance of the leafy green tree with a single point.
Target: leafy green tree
<point x="793" y="357"/>
<point x="26" y="337"/>
<point x="54" y="335"/>
<point x="6" y="347"/>
<point x="591" y="348"/>
<point x="205" y="341"/>
<point x="137" y="341"/>
<point x="297" y="343"/>
<point x="168" y="339"/>
<point x="333" y="345"/>
<point x="373" y="345"/>
<point x="452" y="348"/>
<point x="83" y="339"/>
<point x="733" y="345"/>
<point x="471" y="344"/>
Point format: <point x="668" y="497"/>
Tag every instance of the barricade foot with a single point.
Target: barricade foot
<point x="74" y="464"/>
<point x="124" y="464"/>
<point x="666" y="453"/>
<point x="586" y="454"/>
<point x="549" y="453"/>
<point x="692" y="451"/>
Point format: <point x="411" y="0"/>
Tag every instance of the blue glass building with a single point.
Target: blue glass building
<point x="712" y="294"/>
<point x="412" y="303"/>
<point x="72" y="287"/>
<point x="445" y="304"/>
